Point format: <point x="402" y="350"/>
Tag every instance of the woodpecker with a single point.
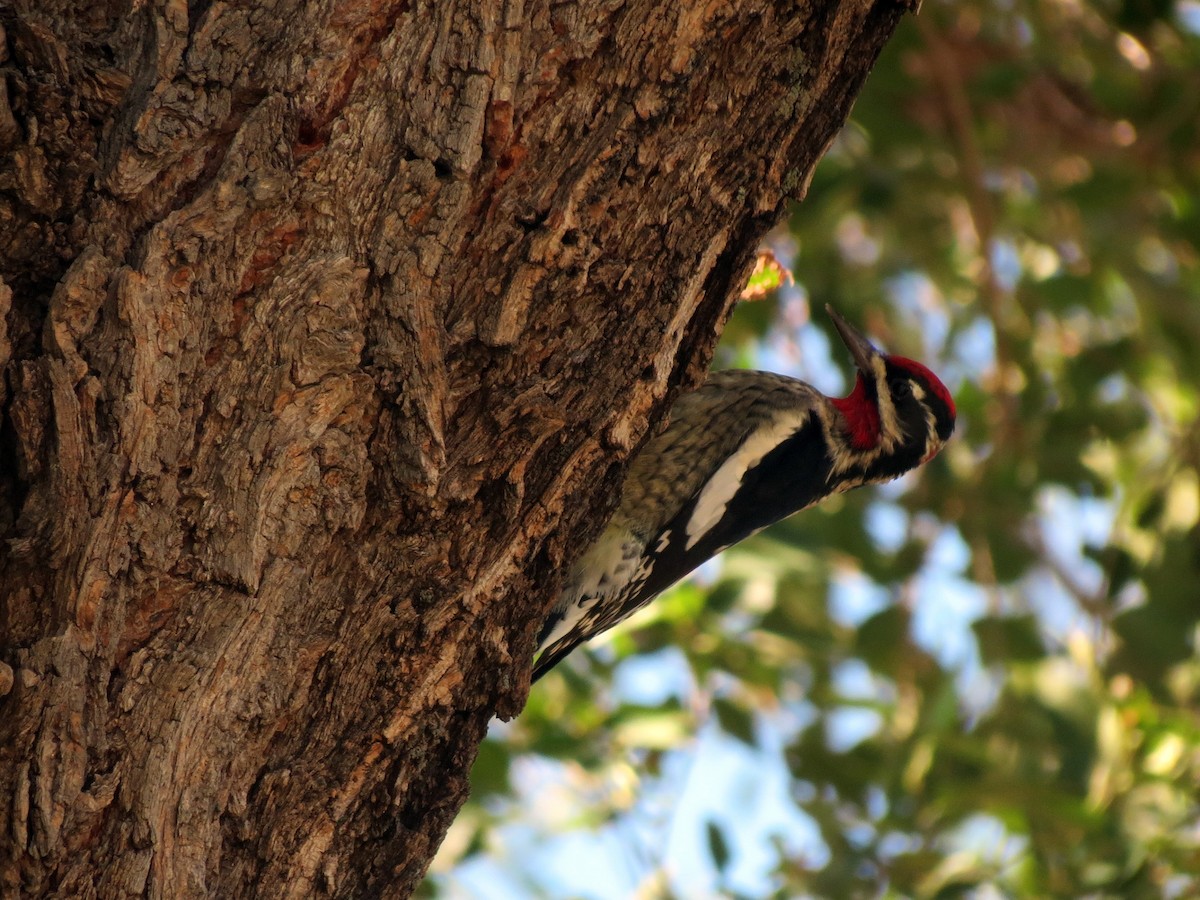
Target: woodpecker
<point x="741" y="452"/>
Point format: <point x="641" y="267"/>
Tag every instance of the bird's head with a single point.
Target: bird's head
<point x="898" y="408"/>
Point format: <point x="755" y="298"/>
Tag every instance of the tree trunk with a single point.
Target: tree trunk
<point x="327" y="329"/>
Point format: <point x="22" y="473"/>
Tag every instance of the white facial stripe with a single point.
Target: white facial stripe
<point x="931" y="439"/>
<point x="844" y="454"/>
<point x="721" y="488"/>
<point x="889" y="422"/>
<point x="930" y="421"/>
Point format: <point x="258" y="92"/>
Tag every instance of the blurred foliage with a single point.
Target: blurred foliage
<point x="982" y="681"/>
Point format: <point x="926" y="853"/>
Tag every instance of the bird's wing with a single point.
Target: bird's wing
<point x="637" y="558"/>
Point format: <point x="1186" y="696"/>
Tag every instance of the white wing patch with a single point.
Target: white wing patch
<point x="721" y="488"/>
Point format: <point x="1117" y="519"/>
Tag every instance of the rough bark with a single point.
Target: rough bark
<point x="326" y="330"/>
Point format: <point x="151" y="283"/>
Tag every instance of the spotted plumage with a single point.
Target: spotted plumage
<point x="743" y="451"/>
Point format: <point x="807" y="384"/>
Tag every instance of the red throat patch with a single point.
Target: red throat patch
<point x="861" y="415"/>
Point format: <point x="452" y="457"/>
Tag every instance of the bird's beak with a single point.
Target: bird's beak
<point x="860" y="348"/>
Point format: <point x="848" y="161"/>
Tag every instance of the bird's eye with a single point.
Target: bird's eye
<point x="901" y="388"/>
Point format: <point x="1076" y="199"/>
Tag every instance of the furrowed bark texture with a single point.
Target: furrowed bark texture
<point x="327" y="328"/>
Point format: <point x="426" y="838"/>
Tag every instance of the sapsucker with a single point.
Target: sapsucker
<point x="741" y="452"/>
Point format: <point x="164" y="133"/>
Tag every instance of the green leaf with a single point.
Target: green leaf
<point x="735" y="720"/>
<point x="718" y="847"/>
<point x="1008" y="639"/>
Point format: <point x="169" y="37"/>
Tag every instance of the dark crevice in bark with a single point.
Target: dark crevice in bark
<point x="196" y="10"/>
